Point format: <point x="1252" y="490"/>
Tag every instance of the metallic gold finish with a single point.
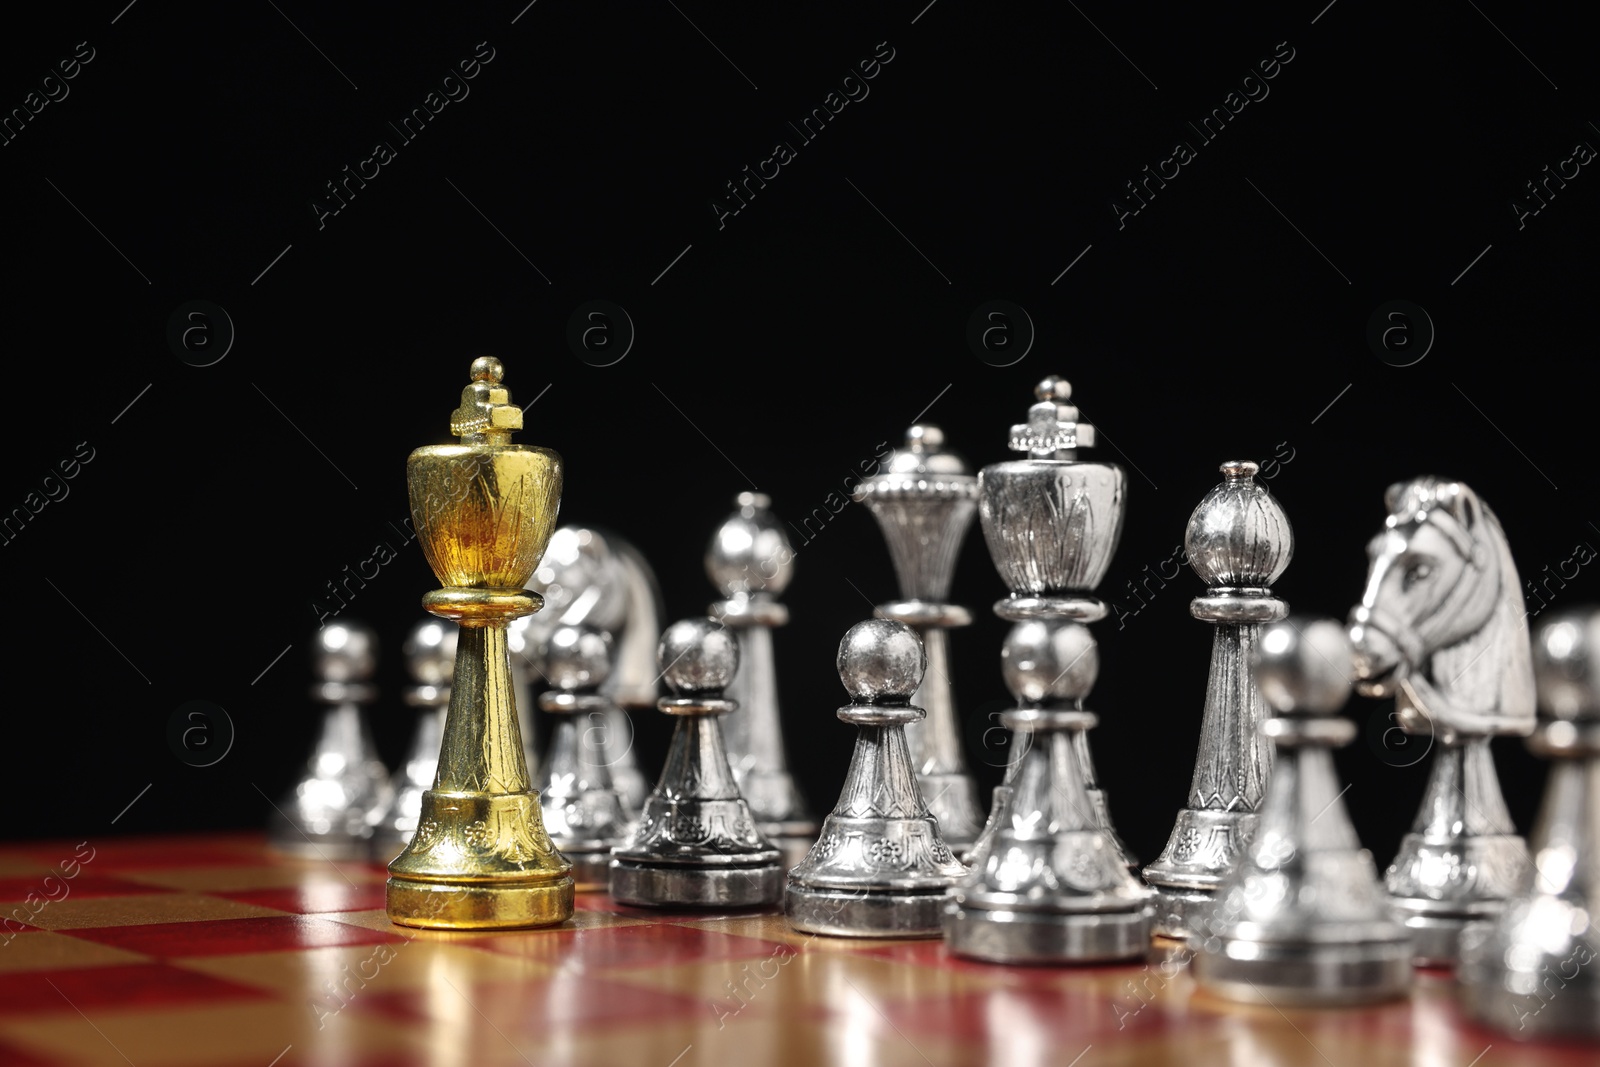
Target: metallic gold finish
<point x="484" y="511"/>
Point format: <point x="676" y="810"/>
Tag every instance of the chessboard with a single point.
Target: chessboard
<point x="214" y="950"/>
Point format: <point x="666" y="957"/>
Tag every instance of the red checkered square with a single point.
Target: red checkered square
<point x="131" y="985"/>
<point x="226" y="937"/>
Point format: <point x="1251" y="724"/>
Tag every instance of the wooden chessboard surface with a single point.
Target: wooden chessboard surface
<point x="212" y="950"/>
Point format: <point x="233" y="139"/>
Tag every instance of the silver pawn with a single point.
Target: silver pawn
<point x="1052" y="887"/>
<point x="1239" y="542"/>
<point x="1442" y="628"/>
<point x="334" y="809"/>
<point x="583" y="811"/>
<point x="1533" y="972"/>
<point x="925" y="501"/>
<point x="697" y="844"/>
<point x="1303" y="919"/>
<point x="881" y="867"/>
<point x="750" y="561"/>
<point x="430" y="652"/>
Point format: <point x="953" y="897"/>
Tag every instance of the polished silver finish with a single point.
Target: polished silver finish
<point x="1441" y="627"/>
<point x="335" y="808"/>
<point x="1049" y="881"/>
<point x="750" y="561"/>
<point x="1050" y="886"/>
<point x="881" y="867"/>
<point x="430" y="654"/>
<point x="1533" y="971"/>
<point x="696" y="844"/>
<point x="632" y="683"/>
<point x="1239" y="542"/>
<point x="597" y="578"/>
<point x="1052" y="523"/>
<point x="583" y="811"/>
<point x="1302" y="918"/>
<point x="924" y="499"/>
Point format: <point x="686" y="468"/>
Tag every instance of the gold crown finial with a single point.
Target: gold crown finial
<point x="486" y="414"/>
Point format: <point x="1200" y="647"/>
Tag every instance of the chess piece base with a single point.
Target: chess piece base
<point x="996" y="936"/>
<point x="1311" y="974"/>
<point x="1436" y="924"/>
<point x="655" y="886"/>
<point x="864" y="913"/>
<point x="1203" y="849"/>
<point x="479" y="906"/>
<point x="1435" y="936"/>
<point x="1530" y="1018"/>
<point x="1178" y="910"/>
<point x="591" y="871"/>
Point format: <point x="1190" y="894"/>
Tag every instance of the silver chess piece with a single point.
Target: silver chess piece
<point x="1239" y="542"/>
<point x="924" y="500"/>
<point x="750" y="561"/>
<point x="430" y="652"/>
<point x="1441" y="627"/>
<point x="334" y="809"/>
<point x="632" y="682"/>
<point x="596" y="578"/>
<point x="881" y="867"/>
<point x="1532" y="972"/>
<point x="1054" y="883"/>
<point x="583" y="811"/>
<point x="1051" y="886"/>
<point x="1302" y="918"/>
<point x="1052" y="523"/>
<point x="697" y="843"/>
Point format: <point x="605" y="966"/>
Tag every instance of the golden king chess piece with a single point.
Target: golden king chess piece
<point x="484" y="511"/>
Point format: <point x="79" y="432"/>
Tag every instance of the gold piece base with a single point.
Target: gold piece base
<point x="478" y="906"/>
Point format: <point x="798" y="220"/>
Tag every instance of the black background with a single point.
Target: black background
<point x="1227" y="319"/>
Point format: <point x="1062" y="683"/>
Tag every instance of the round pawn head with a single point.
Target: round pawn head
<point x="1049" y="661"/>
<point x="881" y="662"/>
<point x="430" y="652"/>
<point x="697" y="656"/>
<point x="344" y="652"/>
<point x="750" y="553"/>
<point x="1305" y="666"/>
<point x="576" y="657"/>
<point x="1566" y="666"/>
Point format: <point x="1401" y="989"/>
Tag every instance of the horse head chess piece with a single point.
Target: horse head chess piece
<point x="593" y="577"/>
<point x="1442" y="629"/>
